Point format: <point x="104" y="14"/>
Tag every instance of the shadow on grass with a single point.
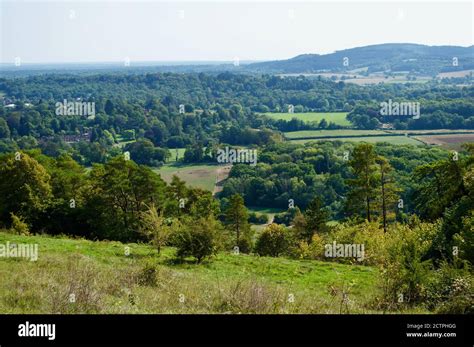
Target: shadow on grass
<point x="186" y="261"/>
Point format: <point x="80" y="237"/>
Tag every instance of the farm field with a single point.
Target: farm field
<point x="147" y="282"/>
<point x="461" y="73"/>
<point x="453" y="141"/>
<point x="338" y="118"/>
<point x="434" y="131"/>
<point x="355" y="77"/>
<point x="200" y="176"/>
<point x="395" y="140"/>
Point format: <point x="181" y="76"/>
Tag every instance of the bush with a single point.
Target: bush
<point x="19" y="226"/>
<point x="449" y="290"/>
<point x="404" y="272"/>
<point x="147" y="275"/>
<point x="155" y="227"/>
<point x="287" y="216"/>
<point x="199" y="238"/>
<point x="258" y="218"/>
<point x="273" y="241"/>
<point x="313" y="250"/>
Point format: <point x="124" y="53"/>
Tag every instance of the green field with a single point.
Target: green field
<point x="338" y="118"/>
<point x="121" y="142"/>
<point x="265" y="210"/>
<point x="106" y="280"/>
<point x="180" y="152"/>
<point x="200" y="176"/>
<point x="394" y="140"/>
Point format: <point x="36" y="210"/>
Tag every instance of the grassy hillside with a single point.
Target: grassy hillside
<point x="105" y="280"/>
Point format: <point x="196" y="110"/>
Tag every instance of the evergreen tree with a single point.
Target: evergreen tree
<point x="364" y="186"/>
<point x="236" y="219"/>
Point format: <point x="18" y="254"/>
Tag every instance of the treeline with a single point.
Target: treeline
<point x="434" y="114"/>
<point x="58" y="196"/>
<point x="288" y="171"/>
<point x="177" y="110"/>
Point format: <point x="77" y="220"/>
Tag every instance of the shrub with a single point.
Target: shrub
<point x="404" y="272"/>
<point x="312" y="250"/>
<point x="147" y="275"/>
<point x="287" y="216"/>
<point x="449" y="290"/>
<point x="273" y="241"/>
<point x="199" y="238"/>
<point x="258" y="218"/>
<point x="155" y="227"/>
<point x="19" y="226"/>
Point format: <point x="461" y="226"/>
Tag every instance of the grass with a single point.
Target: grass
<point x="173" y="152"/>
<point x="394" y="140"/>
<point x="265" y="210"/>
<point x="200" y="176"/>
<point x="105" y="280"/>
<point x="338" y="118"/>
<point x="121" y="142"/>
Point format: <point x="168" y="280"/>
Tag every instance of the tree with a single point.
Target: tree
<point x="316" y="217"/>
<point x="109" y="107"/>
<point x="236" y="219"/>
<point x="121" y="190"/>
<point x="24" y="187"/>
<point x="155" y="227"/>
<point x="273" y="241"/>
<point x="388" y="193"/>
<point x="200" y="238"/>
<point x="4" y="129"/>
<point x="323" y="124"/>
<point x="145" y="153"/>
<point x="363" y="187"/>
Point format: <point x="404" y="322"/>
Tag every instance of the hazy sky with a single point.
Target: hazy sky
<point x="94" y="31"/>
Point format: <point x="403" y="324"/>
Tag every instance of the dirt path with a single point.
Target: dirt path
<point x="221" y="175"/>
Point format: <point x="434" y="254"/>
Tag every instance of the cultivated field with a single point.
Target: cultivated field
<point x="338" y="118"/>
<point x="395" y="140"/>
<point x="461" y="73"/>
<point x="453" y="141"/>
<point x="200" y="176"/>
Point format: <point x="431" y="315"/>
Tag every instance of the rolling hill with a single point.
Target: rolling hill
<point x="393" y="57"/>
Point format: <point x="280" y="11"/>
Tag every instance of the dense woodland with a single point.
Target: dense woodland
<point x="218" y="108"/>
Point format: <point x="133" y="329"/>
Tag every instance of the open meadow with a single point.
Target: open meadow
<point x="338" y="118"/>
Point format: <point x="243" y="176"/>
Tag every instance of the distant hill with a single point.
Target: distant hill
<point x="393" y="57"/>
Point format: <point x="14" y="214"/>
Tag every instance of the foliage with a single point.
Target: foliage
<point x="199" y="238"/>
<point x="19" y="226"/>
<point x="273" y="241"/>
<point x="155" y="227"/>
<point x="236" y="220"/>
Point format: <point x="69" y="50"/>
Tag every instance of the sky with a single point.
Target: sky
<point x="114" y="31"/>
